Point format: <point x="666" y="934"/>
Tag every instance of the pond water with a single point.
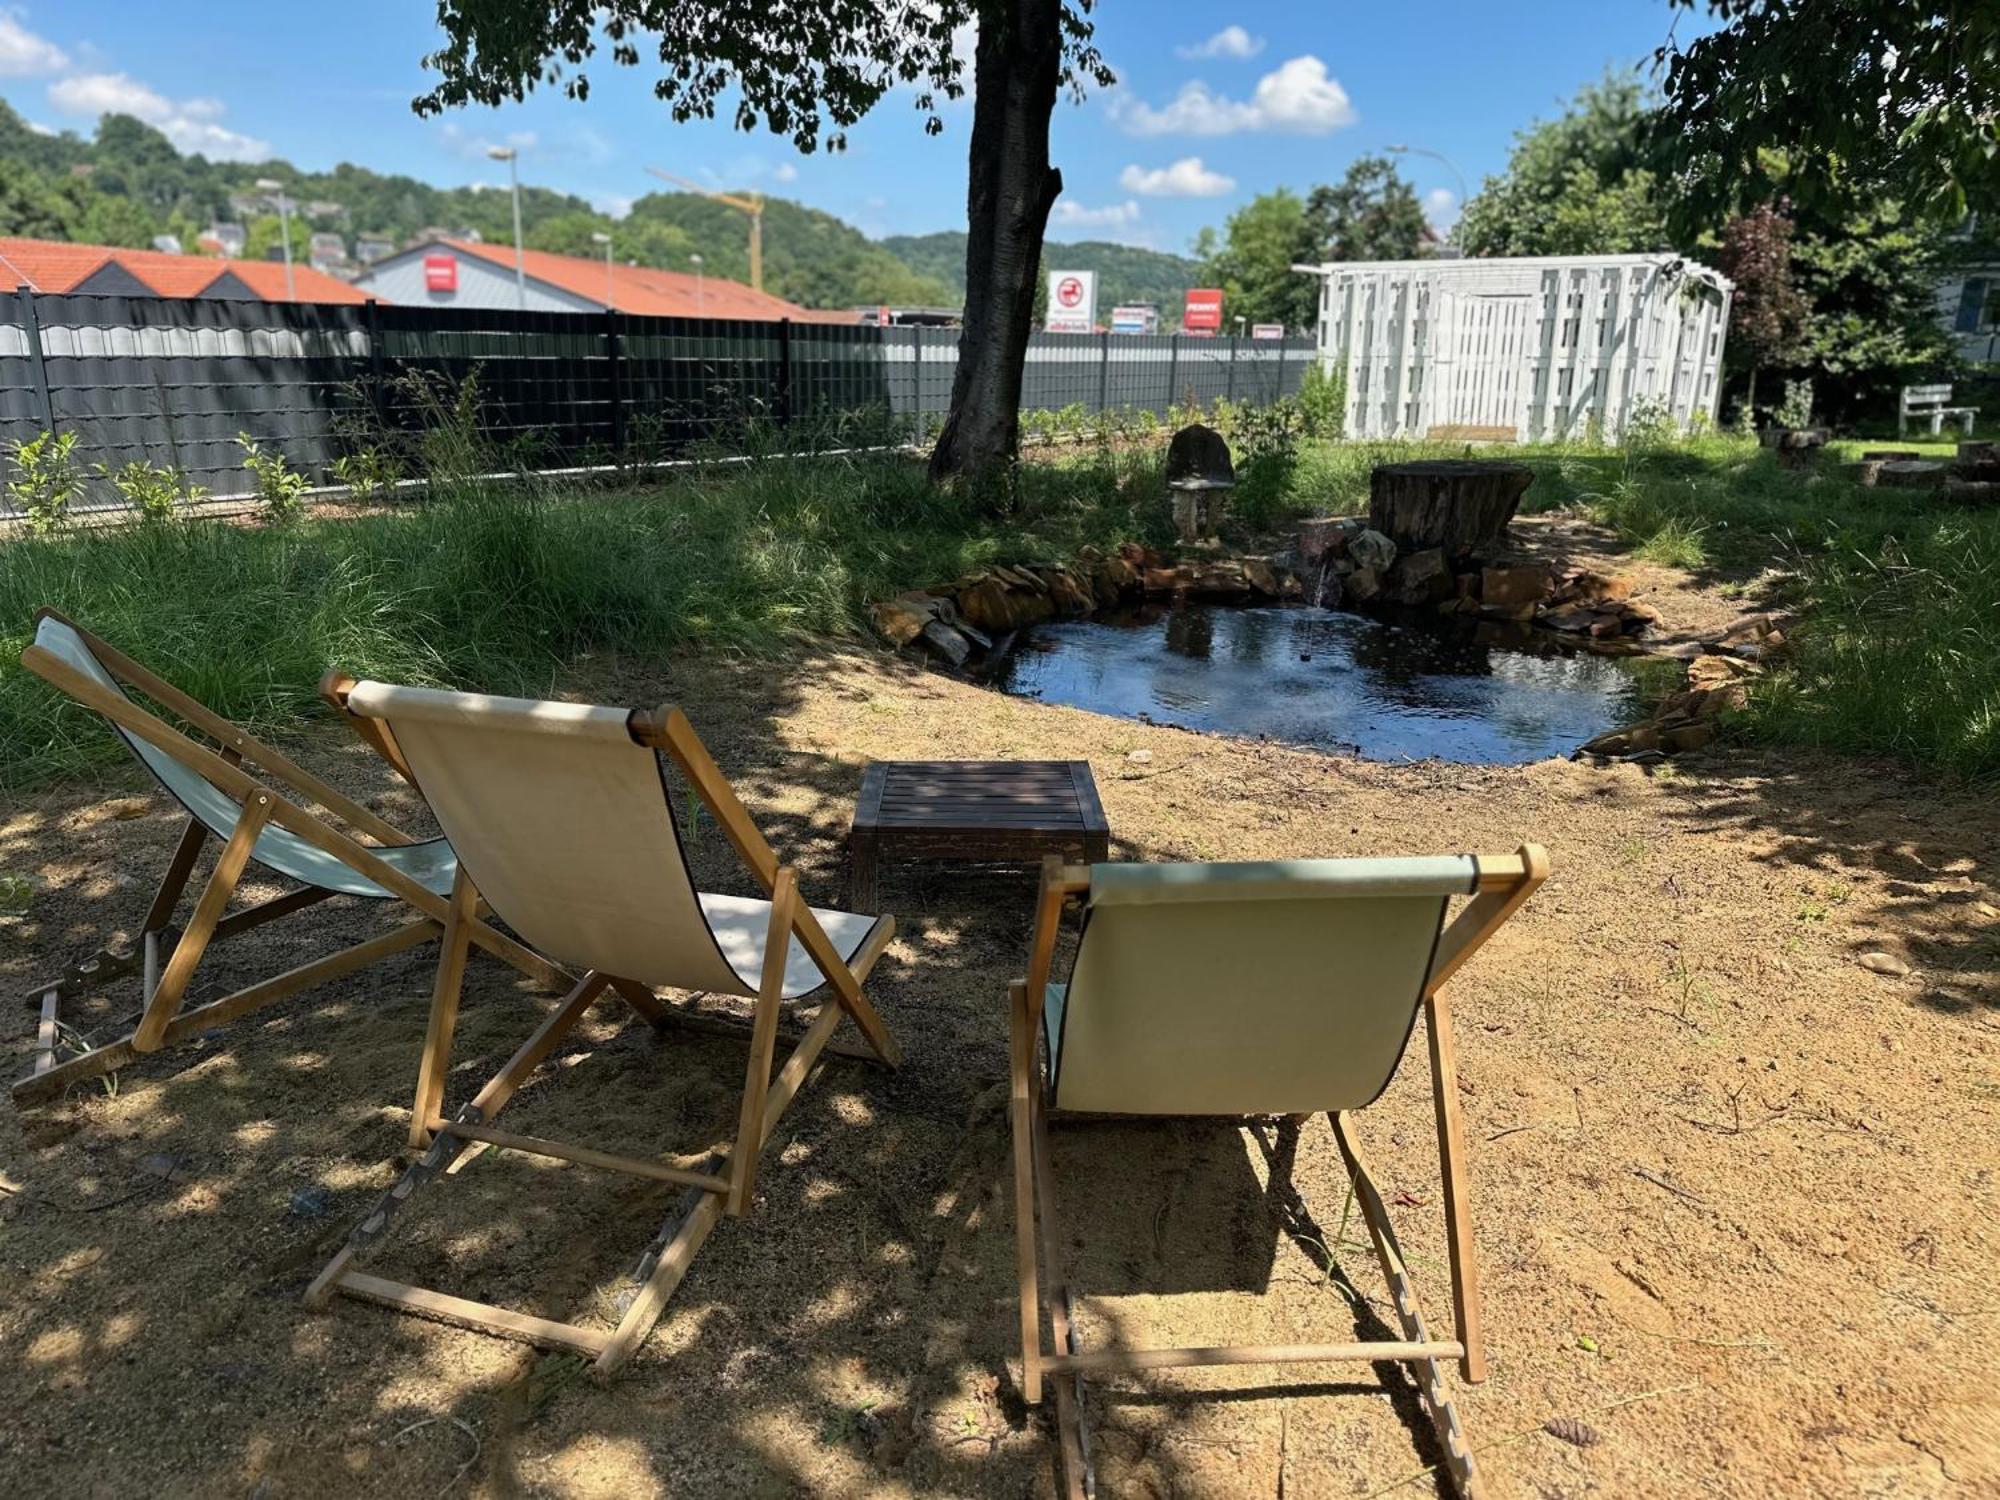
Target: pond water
<point x="1430" y="687"/>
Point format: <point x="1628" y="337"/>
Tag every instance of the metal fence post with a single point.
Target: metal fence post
<point x="614" y="358"/>
<point x="1279" y="393"/>
<point x="917" y="410"/>
<point x="1103" y="372"/>
<point x="372" y="319"/>
<point x="1232" y="367"/>
<point x="31" y="324"/>
<point x="783" y="399"/>
<point x="1173" y="371"/>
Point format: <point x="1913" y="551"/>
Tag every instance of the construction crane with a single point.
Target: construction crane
<point x="751" y="204"/>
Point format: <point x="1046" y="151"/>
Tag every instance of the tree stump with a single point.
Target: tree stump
<point x="1919" y="474"/>
<point x="1448" y="503"/>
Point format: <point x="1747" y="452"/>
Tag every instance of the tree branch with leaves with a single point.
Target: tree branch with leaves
<point x="810" y="70"/>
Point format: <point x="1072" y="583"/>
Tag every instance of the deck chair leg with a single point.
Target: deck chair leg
<point x="667" y="1274"/>
<point x="1021" y="1111"/>
<point x="175" y="880"/>
<point x="1457" y="1203"/>
<point x="1072" y="1441"/>
<point x="166" y="996"/>
<point x="503" y="1085"/>
<point x="39" y="1087"/>
<point x="651" y="1008"/>
<point x="448" y="1152"/>
<point x="1430" y="1378"/>
<point x="445" y="992"/>
<point x="763" y="1043"/>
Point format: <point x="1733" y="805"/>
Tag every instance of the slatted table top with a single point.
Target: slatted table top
<point x="980" y="796"/>
<point x="999" y="811"/>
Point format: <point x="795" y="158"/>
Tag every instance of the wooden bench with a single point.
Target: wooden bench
<point x="1932" y="403"/>
<point x="1001" y="811"/>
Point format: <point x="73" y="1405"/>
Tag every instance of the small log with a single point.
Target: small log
<point x="1450" y="503"/>
<point x="1919" y="474"/>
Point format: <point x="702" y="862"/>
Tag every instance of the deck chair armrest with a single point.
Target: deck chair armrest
<point x="1504" y="884"/>
<point x="333" y="690"/>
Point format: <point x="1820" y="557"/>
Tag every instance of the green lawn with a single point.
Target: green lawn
<point x="498" y="588"/>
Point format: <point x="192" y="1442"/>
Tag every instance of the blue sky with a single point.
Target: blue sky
<point x="1214" y="103"/>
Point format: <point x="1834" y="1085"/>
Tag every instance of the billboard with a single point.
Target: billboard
<point x="1203" y="312"/>
<point x="440" y="273"/>
<point x="1138" y="317"/>
<point x="1267" y="330"/>
<point x="1072" y="301"/>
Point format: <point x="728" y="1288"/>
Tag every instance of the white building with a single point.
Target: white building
<point x="1530" y="349"/>
<point x="1969" y="304"/>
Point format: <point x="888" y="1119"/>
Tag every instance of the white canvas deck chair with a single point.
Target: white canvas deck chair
<point x="1281" y="988"/>
<point x="230" y="792"/>
<point x="561" y="814"/>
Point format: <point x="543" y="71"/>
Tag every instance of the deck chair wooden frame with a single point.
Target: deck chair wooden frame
<point x="1504" y="883"/>
<point x="720" y="1183"/>
<point x="249" y="772"/>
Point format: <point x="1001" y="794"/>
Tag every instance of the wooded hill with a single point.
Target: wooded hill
<point x="1125" y="273"/>
<point x="128" y="184"/>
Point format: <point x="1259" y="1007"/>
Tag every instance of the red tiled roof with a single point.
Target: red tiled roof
<point x="54" y="266"/>
<point x="267" y="279"/>
<point x="48" y="265"/>
<point x="648" y="290"/>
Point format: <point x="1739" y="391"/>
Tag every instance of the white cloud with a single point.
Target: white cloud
<point x="1299" y="97"/>
<point x="1231" y="41"/>
<point x="191" y="124"/>
<point x="784" y="171"/>
<point x="1441" y="208"/>
<point x="38" y="128"/>
<point x="1186" y="178"/>
<point x="1070" y="214"/>
<point x="23" y="54"/>
<point x="612" y="205"/>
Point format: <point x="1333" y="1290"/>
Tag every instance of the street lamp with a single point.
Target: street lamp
<point x="605" y="241"/>
<point x="512" y="157"/>
<point x="1437" y="156"/>
<point x="275" y="191"/>
<point x="700" y="288"/>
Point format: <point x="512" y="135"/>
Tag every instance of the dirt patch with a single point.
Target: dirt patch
<point x="1733" y="1192"/>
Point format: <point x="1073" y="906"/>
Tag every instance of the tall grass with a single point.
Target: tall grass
<point x="499" y="586"/>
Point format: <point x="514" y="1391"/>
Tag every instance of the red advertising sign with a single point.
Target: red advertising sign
<point x="440" y="273"/>
<point x="1069" y="292"/>
<point x="1203" y="312"/>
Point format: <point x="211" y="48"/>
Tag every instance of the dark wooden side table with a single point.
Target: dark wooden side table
<point x="999" y="811"/>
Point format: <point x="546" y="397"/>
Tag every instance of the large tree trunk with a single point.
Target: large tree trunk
<point x="1010" y="189"/>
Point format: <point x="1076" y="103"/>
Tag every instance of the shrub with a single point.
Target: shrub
<point x="153" y="492"/>
<point x="1266" y="457"/>
<point x="1323" y="402"/>
<point x="46" y="480"/>
<point x="280" y="488"/>
<point x="370" y="473"/>
<point x="1796" y="409"/>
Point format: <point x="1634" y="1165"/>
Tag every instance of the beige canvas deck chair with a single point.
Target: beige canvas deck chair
<point x="1281" y="988"/>
<point x="230" y="793"/>
<point x="561" y="814"/>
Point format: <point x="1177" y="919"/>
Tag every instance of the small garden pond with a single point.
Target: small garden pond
<point x="1424" y="688"/>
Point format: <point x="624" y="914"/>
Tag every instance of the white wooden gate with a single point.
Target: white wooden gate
<point x="1526" y="350"/>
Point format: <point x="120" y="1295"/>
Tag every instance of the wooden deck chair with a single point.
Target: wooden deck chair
<point x="562" y="815"/>
<point x="229" y="793"/>
<point x="1281" y="988"/>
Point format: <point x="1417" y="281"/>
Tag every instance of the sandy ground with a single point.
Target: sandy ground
<point x="1734" y="1192"/>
